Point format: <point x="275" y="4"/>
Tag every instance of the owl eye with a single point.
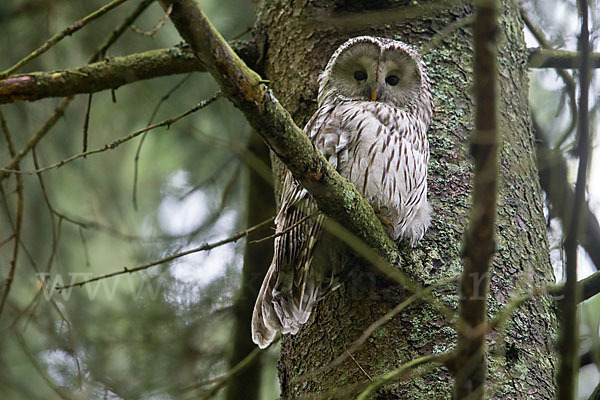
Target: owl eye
<point x="392" y="80"/>
<point x="360" y="75"/>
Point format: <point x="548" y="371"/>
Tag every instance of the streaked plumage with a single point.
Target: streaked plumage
<point x="379" y="145"/>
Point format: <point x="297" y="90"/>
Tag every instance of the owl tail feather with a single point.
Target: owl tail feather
<point x="265" y="323"/>
<point x="281" y="306"/>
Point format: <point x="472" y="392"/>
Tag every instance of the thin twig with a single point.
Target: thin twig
<point x="569" y="334"/>
<point x="210" y="178"/>
<point x="51" y="210"/>
<point x="6" y="240"/>
<point x="220" y="381"/>
<point x="86" y="122"/>
<point x="101" y="52"/>
<point x="565" y="76"/>
<point x="223" y="379"/>
<point x="359" y="366"/>
<point x="286" y="230"/>
<point x="116" y="143"/>
<point x="41" y="370"/>
<point x="86" y="253"/>
<point x="19" y="218"/>
<point x="139" y="148"/>
<point x="589" y="286"/>
<point x="204" y="247"/>
<point x="158" y="26"/>
<point x="35" y="138"/>
<point x="222" y="203"/>
<point x="373" y="327"/>
<point x="445" y="32"/>
<point x="59" y="36"/>
<point x="402" y="371"/>
<point x="60" y="109"/>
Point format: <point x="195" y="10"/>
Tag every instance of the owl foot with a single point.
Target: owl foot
<point x="384" y="221"/>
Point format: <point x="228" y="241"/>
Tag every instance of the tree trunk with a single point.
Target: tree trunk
<point x="297" y="39"/>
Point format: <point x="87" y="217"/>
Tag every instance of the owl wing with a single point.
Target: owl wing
<point x="291" y="287"/>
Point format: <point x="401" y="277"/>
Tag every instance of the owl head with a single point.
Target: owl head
<point x="375" y="69"/>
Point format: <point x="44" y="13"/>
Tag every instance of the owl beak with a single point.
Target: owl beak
<point x="373" y="95"/>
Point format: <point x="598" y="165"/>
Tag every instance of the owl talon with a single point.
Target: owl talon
<point x="384" y="221"/>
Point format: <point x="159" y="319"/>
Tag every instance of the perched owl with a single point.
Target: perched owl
<point x="374" y="109"/>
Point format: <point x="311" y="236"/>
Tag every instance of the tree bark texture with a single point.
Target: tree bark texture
<point x="296" y="40"/>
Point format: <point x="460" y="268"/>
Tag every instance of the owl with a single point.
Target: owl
<point x="374" y="109"/>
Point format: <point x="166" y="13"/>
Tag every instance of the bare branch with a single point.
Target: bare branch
<point x="404" y="370"/>
<point x="444" y="33"/>
<point x="19" y="218"/>
<point x="568" y="344"/>
<point x="204" y="247"/>
<point x="111" y="73"/>
<point x="551" y="58"/>
<point x="479" y="239"/>
<point x="61" y="35"/>
<point x="114" y="144"/>
<point x="40" y="369"/>
<point x="26" y="81"/>
<point x="158" y="26"/>
<point x="35" y="138"/>
<point x="139" y="148"/>
<point x="589" y="286"/>
<point x="552" y="169"/>
<point x="565" y="76"/>
<point x="373" y="327"/>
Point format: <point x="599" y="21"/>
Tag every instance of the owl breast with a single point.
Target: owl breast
<point x="384" y="154"/>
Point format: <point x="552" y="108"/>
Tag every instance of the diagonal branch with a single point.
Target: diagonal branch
<point x="335" y="196"/>
<point x="403" y="371"/>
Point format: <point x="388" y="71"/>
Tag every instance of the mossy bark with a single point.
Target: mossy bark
<point x="296" y="40"/>
<point x="110" y="73"/>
